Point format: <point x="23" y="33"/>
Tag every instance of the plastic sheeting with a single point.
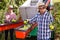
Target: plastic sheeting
<point x="29" y="9"/>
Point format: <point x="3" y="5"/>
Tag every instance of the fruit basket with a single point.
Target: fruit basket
<point x="10" y="26"/>
<point x="24" y="27"/>
<point x="22" y="33"/>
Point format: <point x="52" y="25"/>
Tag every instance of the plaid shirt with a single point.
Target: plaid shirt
<point x="43" y="25"/>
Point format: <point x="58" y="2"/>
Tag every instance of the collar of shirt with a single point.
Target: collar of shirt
<point x="44" y="13"/>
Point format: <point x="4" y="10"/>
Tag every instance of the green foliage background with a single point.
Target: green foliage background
<point x="4" y="6"/>
<point x="3" y="9"/>
<point x="56" y="14"/>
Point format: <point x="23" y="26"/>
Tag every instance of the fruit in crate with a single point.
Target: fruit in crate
<point x="29" y="25"/>
<point x="25" y="27"/>
<point x="13" y="20"/>
<point x="25" y="22"/>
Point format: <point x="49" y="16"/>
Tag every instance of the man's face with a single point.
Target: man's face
<point x="42" y="9"/>
<point x="10" y="9"/>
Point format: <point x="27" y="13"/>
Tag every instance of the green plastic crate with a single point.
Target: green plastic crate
<point x="33" y="32"/>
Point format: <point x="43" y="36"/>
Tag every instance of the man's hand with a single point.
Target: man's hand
<point x="47" y="3"/>
<point x="51" y="8"/>
<point x="28" y="20"/>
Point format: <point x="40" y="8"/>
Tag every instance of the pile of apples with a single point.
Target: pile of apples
<point x="26" y="25"/>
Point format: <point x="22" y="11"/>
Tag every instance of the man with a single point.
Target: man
<point x="9" y="16"/>
<point x="43" y="19"/>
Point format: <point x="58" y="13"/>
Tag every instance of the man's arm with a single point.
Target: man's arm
<point x="51" y="4"/>
<point x="34" y="19"/>
<point x="47" y="3"/>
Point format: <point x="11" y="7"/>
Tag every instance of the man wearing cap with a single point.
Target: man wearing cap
<point x="43" y="19"/>
<point x="10" y="15"/>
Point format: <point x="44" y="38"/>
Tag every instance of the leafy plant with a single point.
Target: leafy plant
<point x="56" y="14"/>
<point x="4" y="6"/>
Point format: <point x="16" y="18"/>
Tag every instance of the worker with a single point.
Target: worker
<point x="10" y="15"/>
<point x="43" y="19"/>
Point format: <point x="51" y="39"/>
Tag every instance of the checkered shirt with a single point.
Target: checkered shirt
<point x="43" y="22"/>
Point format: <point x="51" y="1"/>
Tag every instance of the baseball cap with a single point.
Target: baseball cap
<point x="10" y="6"/>
<point x="40" y="4"/>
